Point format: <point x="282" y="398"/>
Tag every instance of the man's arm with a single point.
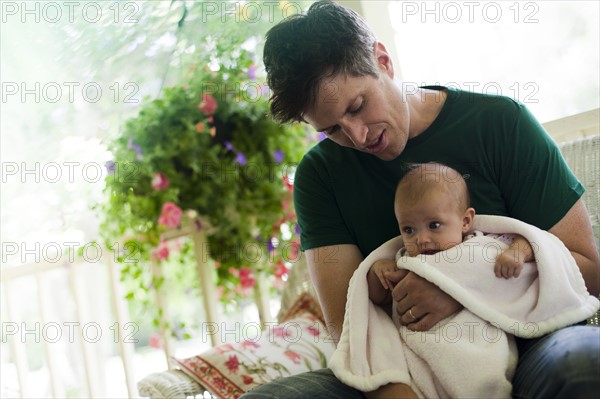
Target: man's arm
<point x="330" y="270"/>
<point x="575" y="231"/>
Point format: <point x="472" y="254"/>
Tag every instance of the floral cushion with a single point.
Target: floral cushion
<point x="294" y="346"/>
<point x="304" y="303"/>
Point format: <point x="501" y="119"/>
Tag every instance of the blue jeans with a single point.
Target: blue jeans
<point x="563" y="364"/>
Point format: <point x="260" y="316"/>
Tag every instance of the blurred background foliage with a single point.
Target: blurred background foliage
<point x="105" y="60"/>
<point x="96" y="66"/>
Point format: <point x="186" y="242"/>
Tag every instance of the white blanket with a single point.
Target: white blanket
<point x="548" y="295"/>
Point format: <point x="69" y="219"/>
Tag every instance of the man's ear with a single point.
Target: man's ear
<point x="384" y="61"/>
<point x="468" y="218"/>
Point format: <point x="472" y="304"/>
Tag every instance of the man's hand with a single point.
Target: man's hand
<point x="419" y="303"/>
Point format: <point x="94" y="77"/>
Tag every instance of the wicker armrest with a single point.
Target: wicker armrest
<point x="169" y="384"/>
<point x="583" y="157"/>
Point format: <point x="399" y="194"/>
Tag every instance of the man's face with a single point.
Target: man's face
<point x="366" y="113"/>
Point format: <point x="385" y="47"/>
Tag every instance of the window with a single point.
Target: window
<point x="544" y="53"/>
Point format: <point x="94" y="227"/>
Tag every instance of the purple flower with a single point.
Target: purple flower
<point x="278" y="155"/>
<point x="110" y="166"/>
<point x="270" y="246"/>
<point x="297" y="229"/>
<point x="229" y="146"/>
<point x="136" y="148"/>
<point x="241" y="158"/>
<point x="321" y="136"/>
<point x="252" y="72"/>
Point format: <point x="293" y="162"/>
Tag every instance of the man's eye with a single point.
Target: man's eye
<point x="434" y="225"/>
<point x="332" y="130"/>
<point x="356" y="109"/>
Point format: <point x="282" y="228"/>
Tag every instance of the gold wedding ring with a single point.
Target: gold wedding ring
<point x="411" y="314"/>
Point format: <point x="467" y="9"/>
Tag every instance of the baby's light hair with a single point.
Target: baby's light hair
<point x="424" y="177"/>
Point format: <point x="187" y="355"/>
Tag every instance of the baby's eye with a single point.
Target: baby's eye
<point x="434" y="225"/>
<point x="407" y="230"/>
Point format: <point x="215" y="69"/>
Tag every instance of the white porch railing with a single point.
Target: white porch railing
<point x="50" y="329"/>
<point x="14" y="324"/>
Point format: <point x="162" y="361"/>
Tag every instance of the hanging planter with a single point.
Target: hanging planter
<point x="205" y="154"/>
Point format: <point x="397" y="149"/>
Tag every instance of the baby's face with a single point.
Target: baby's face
<point x="431" y="224"/>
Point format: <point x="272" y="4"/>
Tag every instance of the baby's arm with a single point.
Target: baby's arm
<point x="379" y="286"/>
<point x="510" y="262"/>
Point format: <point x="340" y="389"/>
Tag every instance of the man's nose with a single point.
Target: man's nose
<point x="356" y="132"/>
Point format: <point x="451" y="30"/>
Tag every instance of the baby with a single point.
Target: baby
<point x="433" y="210"/>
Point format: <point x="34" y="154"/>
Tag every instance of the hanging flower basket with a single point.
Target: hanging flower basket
<point x="205" y="154"/>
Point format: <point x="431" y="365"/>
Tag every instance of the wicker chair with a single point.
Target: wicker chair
<point x="583" y="156"/>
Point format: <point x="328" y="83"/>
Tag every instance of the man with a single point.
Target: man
<point x="327" y="69"/>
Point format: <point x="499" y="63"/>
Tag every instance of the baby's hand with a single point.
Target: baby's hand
<point x="382" y="266"/>
<point x="510" y="262"/>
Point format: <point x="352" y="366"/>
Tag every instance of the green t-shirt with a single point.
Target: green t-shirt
<point x="512" y="168"/>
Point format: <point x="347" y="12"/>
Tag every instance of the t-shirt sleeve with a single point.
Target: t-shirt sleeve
<point x="538" y="186"/>
<point x="319" y="217"/>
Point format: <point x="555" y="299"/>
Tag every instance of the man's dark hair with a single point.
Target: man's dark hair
<point x="305" y="48"/>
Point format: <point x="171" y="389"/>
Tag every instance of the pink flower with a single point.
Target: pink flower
<point x="288" y="184"/>
<point x="280" y="270"/>
<point x="246" y="279"/>
<point x="170" y="215"/>
<point x="233" y="363"/>
<point x="247" y="379"/>
<point x="208" y="104"/>
<point x="249" y="344"/>
<point x="224" y="348"/>
<point x="161" y="252"/>
<point x="281" y="332"/>
<point x="293" y="356"/>
<point x="313" y="330"/>
<point x="218" y="382"/>
<point x="160" y="182"/>
<point x="155" y="341"/>
<point x="294" y="250"/>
